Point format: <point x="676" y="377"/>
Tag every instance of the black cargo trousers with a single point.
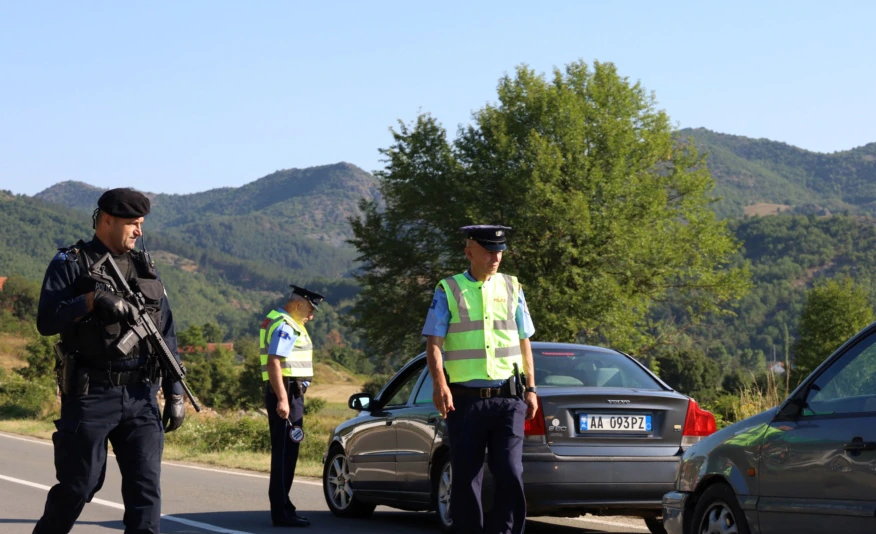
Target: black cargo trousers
<point x="286" y="438"/>
<point x="126" y="416"/>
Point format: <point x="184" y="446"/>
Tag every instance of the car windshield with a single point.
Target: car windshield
<point x="589" y="368"/>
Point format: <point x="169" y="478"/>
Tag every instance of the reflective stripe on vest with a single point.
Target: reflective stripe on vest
<point x="482" y="340"/>
<point x="297" y="364"/>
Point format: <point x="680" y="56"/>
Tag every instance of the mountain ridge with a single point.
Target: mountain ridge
<point x="748" y="171"/>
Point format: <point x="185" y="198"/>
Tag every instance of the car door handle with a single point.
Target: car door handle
<point x="858" y="445"/>
<point x="389" y="422"/>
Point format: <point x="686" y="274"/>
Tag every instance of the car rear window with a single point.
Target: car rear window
<point x="586" y="368"/>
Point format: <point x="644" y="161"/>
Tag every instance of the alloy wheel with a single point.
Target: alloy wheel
<point x="338" y="483"/>
<point x="718" y="519"/>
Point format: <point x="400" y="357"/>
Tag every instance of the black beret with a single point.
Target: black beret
<point x="312" y="296"/>
<point x="124" y="202"/>
<point x="489" y="236"/>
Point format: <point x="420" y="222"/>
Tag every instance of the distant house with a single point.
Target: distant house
<point x="778" y="368"/>
<point x="2" y="281"/>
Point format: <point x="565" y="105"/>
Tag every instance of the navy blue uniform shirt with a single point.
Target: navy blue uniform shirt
<point x="62" y="301"/>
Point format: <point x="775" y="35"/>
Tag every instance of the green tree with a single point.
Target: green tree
<point x="21" y="296"/>
<point x="252" y="387"/>
<point x="40" y="358"/>
<point x="353" y="360"/>
<point x="609" y="212"/>
<point x="691" y="372"/>
<point x="192" y="337"/>
<point x="212" y="333"/>
<point x="835" y="310"/>
<point x="225" y="384"/>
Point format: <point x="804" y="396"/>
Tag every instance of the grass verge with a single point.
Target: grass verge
<point x="237" y="441"/>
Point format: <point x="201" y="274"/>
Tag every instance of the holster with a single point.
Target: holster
<point x="65" y="369"/>
<point x="295" y="387"/>
<point x="517" y="383"/>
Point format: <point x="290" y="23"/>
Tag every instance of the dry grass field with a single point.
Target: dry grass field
<point x="11" y="351"/>
<point x="763" y="209"/>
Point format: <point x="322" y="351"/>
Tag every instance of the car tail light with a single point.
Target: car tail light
<point x="698" y="424"/>
<point x="533" y="429"/>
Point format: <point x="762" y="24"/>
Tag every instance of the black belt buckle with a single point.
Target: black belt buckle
<point x="486" y="393"/>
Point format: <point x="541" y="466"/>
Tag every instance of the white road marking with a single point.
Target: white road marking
<point x="117" y="506"/>
<point x="29" y="440"/>
<point x="609" y="523"/>
<point x="253" y="475"/>
<point x="212" y="470"/>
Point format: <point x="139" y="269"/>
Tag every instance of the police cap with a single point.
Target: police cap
<point x="489" y="236"/>
<point x="312" y="296"/>
<point x="124" y="202"/>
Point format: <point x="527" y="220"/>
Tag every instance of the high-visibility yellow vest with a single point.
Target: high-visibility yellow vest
<point x="482" y="340"/>
<point x="300" y="362"/>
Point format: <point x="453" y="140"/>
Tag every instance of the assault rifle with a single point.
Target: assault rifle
<point x="106" y="269"/>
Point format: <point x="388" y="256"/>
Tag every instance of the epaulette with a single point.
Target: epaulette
<point x="70" y="253"/>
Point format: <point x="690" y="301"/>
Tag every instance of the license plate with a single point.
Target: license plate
<point x="595" y="422"/>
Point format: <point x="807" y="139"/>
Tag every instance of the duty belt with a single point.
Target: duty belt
<point x="483" y="393"/>
<point x="105" y="377"/>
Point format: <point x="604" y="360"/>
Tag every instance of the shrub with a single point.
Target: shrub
<point x="246" y="433"/>
<point x="313" y="405"/>
<point x="20" y="398"/>
<point x="218" y="434"/>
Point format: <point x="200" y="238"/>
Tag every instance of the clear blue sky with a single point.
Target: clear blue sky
<point x="179" y="97"/>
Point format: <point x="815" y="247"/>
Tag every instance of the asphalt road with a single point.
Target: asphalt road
<point x="202" y="500"/>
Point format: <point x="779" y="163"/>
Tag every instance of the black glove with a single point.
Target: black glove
<point x="112" y="308"/>
<point x="174" y="413"/>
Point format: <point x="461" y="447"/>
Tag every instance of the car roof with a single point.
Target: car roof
<point x="574" y="346"/>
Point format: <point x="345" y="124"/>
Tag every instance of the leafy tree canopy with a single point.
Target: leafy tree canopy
<point x="609" y="212"/>
<point x="835" y="310"/>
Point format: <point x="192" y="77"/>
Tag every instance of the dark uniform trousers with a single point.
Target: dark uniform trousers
<point x="496" y="424"/>
<point x="126" y="416"/>
<point x="284" y="452"/>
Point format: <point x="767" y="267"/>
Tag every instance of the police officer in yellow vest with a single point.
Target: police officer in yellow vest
<point x="287" y="367"/>
<point x="477" y="328"/>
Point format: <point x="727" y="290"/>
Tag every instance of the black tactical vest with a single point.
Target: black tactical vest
<point x="92" y="340"/>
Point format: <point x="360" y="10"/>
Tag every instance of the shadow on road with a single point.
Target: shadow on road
<point x="258" y="522"/>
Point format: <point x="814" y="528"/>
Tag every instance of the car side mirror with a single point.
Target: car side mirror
<point x="360" y="401"/>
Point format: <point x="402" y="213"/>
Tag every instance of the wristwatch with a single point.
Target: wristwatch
<point x="530" y="389"/>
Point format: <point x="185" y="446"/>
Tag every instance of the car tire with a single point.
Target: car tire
<point x="339" y="495"/>
<point x="655" y="525"/>
<point x="718" y="512"/>
<point x="441" y="490"/>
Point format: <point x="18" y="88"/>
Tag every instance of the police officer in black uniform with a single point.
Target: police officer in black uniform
<point x="108" y="396"/>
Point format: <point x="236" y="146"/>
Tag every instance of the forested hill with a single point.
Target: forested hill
<point x="226" y="253"/>
<point x="753" y="172"/>
<point x="313" y="203"/>
<point x="291" y="224"/>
